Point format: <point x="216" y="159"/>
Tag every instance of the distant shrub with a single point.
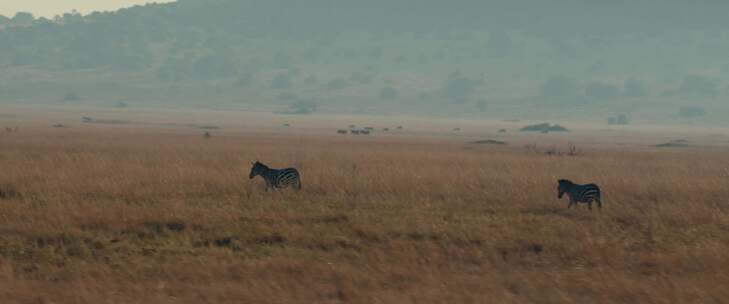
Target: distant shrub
<point x="244" y="79"/>
<point x="691" y="112"/>
<point x="544" y="128"/>
<point x="281" y="81"/>
<point x="620" y="119"/>
<point x="304" y="106"/>
<point x="8" y="191"/>
<point x="558" y="86"/>
<point x="500" y="42"/>
<point x="213" y="67"/>
<point x="388" y="92"/>
<point x="425" y="96"/>
<point x="311" y="55"/>
<point x="360" y="77"/>
<point x="699" y="86"/>
<point x="71" y="96"/>
<point x="337" y="84"/>
<point x="601" y="91"/>
<point x="286" y="96"/>
<point x="310" y="80"/>
<point x="376" y="52"/>
<point x="281" y="60"/>
<point x="633" y="88"/>
<point x="481" y="105"/>
<point x="724" y="70"/>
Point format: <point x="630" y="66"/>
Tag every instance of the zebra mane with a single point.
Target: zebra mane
<point x="565" y="181"/>
<point x="260" y="164"/>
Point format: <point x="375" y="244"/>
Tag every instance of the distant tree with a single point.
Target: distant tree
<point x="286" y="96"/>
<point x="282" y="60"/>
<point x="500" y="42"/>
<point x="388" y="92"/>
<point x="281" y="81"/>
<point x="376" y="52"/>
<point x="311" y="55"/>
<point x="633" y="88"/>
<point x="311" y="80"/>
<point x="22" y="19"/>
<point x="4" y="20"/>
<point x="482" y="104"/>
<point x="244" y="79"/>
<point x="724" y="69"/>
<point x="174" y="69"/>
<point x="425" y="96"/>
<point x="601" y="91"/>
<point x="699" y="86"/>
<point x="458" y="88"/>
<point x="337" y="84"/>
<point x="213" y="66"/>
<point x="360" y="77"/>
<point x="691" y="112"/>
<point x="71" y="97"/>
<point x="558" y="86"/>
<point x="304" y="106"/>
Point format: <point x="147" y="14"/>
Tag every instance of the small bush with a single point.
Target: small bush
<point x="544" y="128"/>
<point x="488" y="142"/>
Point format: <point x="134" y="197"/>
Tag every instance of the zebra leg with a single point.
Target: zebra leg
<point x="570" y="204"/>
<point x="589" y="205"/>
<point x="599" y="203"/>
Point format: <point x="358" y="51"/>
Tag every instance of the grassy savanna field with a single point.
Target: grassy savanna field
<point x="144" y="212"/>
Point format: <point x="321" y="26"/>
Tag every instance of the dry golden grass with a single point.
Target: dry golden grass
<point x="123" y="215"/>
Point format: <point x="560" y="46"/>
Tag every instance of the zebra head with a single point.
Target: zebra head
<point x="257" y="169"/>
<point x="563" y="186"/>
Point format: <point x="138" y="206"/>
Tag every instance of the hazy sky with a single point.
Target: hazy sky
<point x="49" y="8"/>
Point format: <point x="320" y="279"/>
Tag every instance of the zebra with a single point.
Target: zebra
<point x="579" y="193"/>
<point x="276" y="178"/>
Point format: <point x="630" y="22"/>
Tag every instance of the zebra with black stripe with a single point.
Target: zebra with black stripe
<point x="579" y="193"/>
<point x="276" y="178"/>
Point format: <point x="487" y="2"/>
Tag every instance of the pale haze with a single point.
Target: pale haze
<point x="50" y="8"/>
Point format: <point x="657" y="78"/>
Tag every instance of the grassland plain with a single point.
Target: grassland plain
<point x="122" y="214"/>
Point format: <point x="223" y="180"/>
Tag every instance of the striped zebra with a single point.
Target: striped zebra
<point x="579" y="193"/>
<point x="276" y="178"/>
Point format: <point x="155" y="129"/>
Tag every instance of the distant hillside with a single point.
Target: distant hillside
<point x="520" y="57"/>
